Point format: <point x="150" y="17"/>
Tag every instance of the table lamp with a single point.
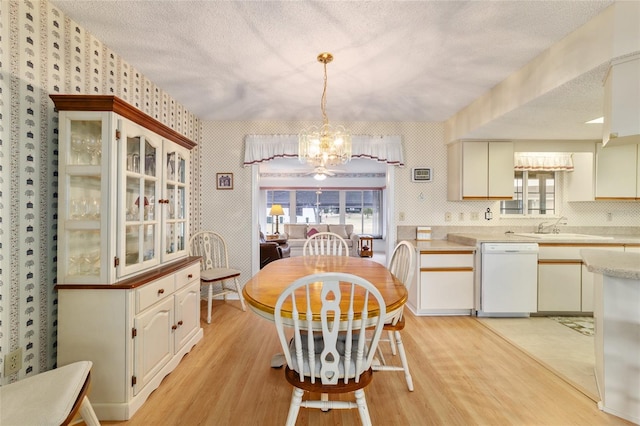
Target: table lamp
<point x="276" y="210"/>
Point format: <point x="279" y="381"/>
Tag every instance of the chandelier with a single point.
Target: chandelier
<point x="326" y="145"/>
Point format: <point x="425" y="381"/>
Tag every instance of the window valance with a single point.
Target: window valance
<point x="543" y="161"/>
<point x="261" y="148"/>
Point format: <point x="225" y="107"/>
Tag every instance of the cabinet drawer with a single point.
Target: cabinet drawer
<point x="187" y="275"/>
<point x="446" y="290"/>
<point x="446" y="259"/>
<point x="154" y="292"/>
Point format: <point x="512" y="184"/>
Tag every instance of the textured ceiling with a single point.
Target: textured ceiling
<point x="394" y="60"/>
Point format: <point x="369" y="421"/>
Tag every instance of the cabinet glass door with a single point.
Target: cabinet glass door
<point x="175" y="231"/>
<point x="81" y="259"/>
<point x="141" y="233"/>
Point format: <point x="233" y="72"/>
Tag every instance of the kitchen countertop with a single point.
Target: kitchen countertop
<point x="476" y="238"/>
<point x="441" y="245"/>
<point x="615" y="264"/>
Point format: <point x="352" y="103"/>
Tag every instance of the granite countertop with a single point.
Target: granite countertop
<point x="441" y="245"/>
<point x="612" y="263"/>
<point x="492" y="237"/>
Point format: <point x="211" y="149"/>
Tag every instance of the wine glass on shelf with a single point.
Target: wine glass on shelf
<point x="94" y="208"/>
<point x="93" y="262"/>
<point x="74" y="267"/>
<point x="94" y="149"/>
<point x="77" y="147"/>
<point x="78" y="208"/>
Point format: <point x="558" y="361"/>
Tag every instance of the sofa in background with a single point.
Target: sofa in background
<point x="297" y="234"/>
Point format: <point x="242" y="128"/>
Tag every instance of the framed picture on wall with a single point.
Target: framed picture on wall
<point x="224" y="180"/>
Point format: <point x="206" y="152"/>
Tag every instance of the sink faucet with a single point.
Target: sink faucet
<point x="552" y="228"/>
<point x="541" y="227"/>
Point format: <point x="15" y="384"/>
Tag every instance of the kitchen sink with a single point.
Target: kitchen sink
<point x="562" y="236"/>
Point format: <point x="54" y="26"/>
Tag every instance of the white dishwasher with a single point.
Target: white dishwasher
<point x="509" y="279"/>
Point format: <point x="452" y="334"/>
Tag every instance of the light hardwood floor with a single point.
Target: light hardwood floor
<point x="464" y="374"/>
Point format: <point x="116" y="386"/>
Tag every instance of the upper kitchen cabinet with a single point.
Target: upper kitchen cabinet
<point x="581" y="181"/>
<point x="123" y="191"/>
<point x="621" y="125"/>
<point x="617" y="172"/>
<point x="479" y="170"/>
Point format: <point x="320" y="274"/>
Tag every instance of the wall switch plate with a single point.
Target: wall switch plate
<point x="13" y="362"/>
<point x="475" y="215"/>
<point x="401" y="216"/>
<point x="461" y="216"/>
<point x="447" y="217"/>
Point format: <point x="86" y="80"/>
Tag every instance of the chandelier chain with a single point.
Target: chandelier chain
<point x="323" y="100"/>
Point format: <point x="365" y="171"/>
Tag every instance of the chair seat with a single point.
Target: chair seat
<point x="218" y="274"/>
<point x="44" y="399"/>
<point x="293" y="378"/>
<point x="395" y="327"/>
<point x="318" y="348"/>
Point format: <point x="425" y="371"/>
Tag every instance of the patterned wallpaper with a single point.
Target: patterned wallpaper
<point x="43" y="52"/>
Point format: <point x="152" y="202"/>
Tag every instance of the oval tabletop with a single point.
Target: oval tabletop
<point x="262" y="290"/>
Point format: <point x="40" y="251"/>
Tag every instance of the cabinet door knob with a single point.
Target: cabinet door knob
<point x="173" y="327"/>
<point x="180" y="322"/>
<point x="161" y="291"/>
<point x="190" y="276"/>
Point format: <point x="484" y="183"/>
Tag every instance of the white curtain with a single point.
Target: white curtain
<point x="543" y="161"/>
<point x="261" y="148"/>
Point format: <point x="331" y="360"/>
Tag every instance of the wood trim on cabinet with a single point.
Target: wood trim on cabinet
<point x="138" y="280"/>
<point x="448" y="269"/>
<point x="447" y="251"/>
<point x="485" y="198"/>
<point x="559" y="262"/>
<point x="117" y="105"/>
<point x="586" y="245"/>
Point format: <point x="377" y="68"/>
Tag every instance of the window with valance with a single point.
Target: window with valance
<point x="262" y="148"/>
<point x="543" y="161"/>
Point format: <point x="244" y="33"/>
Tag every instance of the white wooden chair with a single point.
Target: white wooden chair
<point x="54" y="398"/>
<point x="402" y="265"/>
<point x="335" y="357"/>
<point x="214" y="267"/>
<point x="325" y="244"/>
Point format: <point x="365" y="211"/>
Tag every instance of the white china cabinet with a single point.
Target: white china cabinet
<point x="128" y="294"/>
<point x="123" y="190"/>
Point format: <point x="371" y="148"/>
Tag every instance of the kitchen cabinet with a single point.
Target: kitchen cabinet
<point x="617" y="172"/>
<point x="135" y="333"/>
<point x="480" y="170"/>
<point x="444" y="283"/>
<point x="559" y="286"/>
<point x="128" y="295"/>
<point x="581" y="181"/>
<point x="621" y="102"/>
<point x="113" y="158"/>
<point x="564" y="283"/>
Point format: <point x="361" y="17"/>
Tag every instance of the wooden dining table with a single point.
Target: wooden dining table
<point x="262" y="291"/>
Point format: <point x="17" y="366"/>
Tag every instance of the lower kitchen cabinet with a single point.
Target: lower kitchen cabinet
<point x="559" y="286"/>
<point x="564" y="283"/>
<point x="443" y="283"/>
<point x="135" y="333"/>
